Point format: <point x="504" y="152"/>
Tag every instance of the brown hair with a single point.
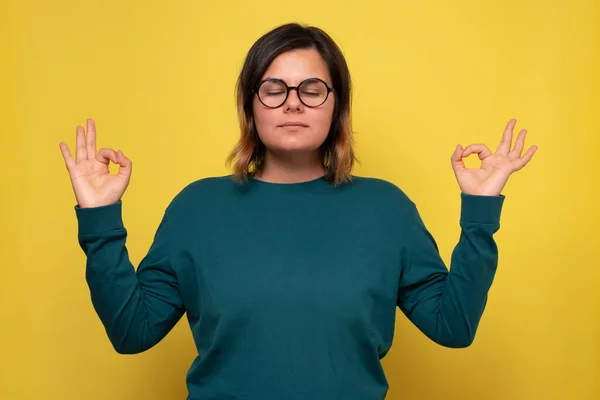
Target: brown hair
<point x="337" y="153"/>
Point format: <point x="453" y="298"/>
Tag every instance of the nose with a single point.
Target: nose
<point x="293" y="103"/>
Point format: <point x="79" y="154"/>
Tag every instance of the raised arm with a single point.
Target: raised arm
<point x="137" y="307"/>
<point x="447" y="305"/>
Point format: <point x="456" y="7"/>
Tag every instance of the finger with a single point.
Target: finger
<point x="480" y="149"/>
<point x="105" y="156"/>
<point x="91" y="139"/>
<point x="81" y="150"/>
<point x="521" y="162"/>
<point x="504" y="146"/>
<point x="125" y="165"/>
<point x="456" y="159"/>
<point x="517" y="151"/>
<point x="66" y="153"/>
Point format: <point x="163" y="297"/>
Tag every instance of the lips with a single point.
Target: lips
<point x="294" y="124"/>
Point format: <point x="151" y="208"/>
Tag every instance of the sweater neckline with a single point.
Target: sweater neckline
<point x="316" y="184"/>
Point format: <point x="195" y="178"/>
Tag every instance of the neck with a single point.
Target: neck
<point x="288" y="168"/>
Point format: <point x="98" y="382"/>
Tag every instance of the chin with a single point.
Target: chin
<point x="294" y="149"/>
<point x="293" y="145"/>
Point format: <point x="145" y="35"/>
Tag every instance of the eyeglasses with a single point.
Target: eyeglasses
<point x="312" y="92"/>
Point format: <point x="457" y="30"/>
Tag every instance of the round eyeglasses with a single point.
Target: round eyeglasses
<point x="312" y="92"/>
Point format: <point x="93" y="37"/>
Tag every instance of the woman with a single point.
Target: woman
<point x="290" y="269"/>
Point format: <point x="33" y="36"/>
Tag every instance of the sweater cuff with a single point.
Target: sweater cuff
<point x="93" y="220"/>
<point x="481" y="209"/>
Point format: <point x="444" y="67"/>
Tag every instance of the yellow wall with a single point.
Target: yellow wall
<point x="158" y="78"/>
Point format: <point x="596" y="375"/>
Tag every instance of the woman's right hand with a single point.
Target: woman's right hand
<point x="93" y="184"/>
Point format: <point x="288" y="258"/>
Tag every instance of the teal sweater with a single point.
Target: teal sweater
<point x="290" y="290"/>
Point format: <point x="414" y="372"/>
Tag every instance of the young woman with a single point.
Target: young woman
<point x="290" y="269"/>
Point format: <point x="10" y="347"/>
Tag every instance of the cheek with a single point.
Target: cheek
<point x="330" y="108"/>
<point x="259" y="114"/>
<point x="263" y="119"/>
<point x="321" y="121"/>
<point x="323" y="118"/>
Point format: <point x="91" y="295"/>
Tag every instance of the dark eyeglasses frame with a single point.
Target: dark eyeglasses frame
<point x="290" y="88"/>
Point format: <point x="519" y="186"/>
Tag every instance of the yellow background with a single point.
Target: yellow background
<point x="158" y="78"/>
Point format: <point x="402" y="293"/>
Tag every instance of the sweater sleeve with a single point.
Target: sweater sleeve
<point x="137" y="307"/>
<point x="447" y="305"/>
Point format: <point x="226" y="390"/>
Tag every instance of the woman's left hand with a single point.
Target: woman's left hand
<point x="491" y="177"/>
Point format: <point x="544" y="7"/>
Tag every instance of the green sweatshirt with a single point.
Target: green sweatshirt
<point x="290" y="290"/>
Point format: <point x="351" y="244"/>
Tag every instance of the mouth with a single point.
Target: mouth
<point x="294" y="124"/>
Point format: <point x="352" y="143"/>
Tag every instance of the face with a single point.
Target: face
<point x="294" y="127"/>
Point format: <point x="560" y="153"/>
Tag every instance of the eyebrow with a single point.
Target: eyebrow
<point x="312" y="77"/>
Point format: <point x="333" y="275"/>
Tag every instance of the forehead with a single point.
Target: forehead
<point x="297" y="65"/>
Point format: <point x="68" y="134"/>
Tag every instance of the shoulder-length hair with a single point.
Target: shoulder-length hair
<point x="337" y="152"/>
